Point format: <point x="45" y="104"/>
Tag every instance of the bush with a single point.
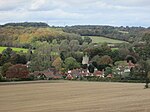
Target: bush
<point x="1" y="77"/>
<point x="116" y="79"/>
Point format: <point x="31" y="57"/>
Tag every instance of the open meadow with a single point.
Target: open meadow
<point x="75" y="96"/>
<point x="100" y="39"/>
<point x="14" y="49"/>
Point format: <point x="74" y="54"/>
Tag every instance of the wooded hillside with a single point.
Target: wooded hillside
<point x="23" y="34"/>
<point x="19" y="36"/>
<point x="129" y="34"/>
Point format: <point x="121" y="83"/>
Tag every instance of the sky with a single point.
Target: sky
<point x="77" y="12"/>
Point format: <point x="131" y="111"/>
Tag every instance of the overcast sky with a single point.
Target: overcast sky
<point x="75" y="12"/>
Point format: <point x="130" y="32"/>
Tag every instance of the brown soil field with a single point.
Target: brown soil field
<point x="75" y="96"/>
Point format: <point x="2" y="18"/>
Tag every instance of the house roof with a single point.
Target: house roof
<point x="109" y="75"/>
<point x="47" y="74"/>
<point x="98" y="72"/>
<point x="37" y="73"/>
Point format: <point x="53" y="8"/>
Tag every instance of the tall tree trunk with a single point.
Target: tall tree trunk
<point x="146" y="79"/>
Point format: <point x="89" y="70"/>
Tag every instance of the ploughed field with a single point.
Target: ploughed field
<point x="76" y="96"/>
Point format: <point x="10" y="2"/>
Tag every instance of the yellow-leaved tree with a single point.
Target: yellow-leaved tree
<point x="57" y="63"/>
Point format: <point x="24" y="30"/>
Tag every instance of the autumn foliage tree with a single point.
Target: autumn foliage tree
<point x="57" y="63"/>
<point x="105" y="60"/>
<point x="17" y="71"/>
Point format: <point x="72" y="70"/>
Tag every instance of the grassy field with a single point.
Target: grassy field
<point x="75" y="97"/>
<point x="98" y="39"/>
<point x="14" y="49"/>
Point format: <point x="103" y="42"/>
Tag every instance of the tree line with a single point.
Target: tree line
<point x="26" y="24"/>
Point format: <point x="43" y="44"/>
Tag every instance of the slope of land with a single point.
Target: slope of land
<point x="74" y="97"/>
<point x="100" y="39"/>
<point x="127" y="33"/>
<point x="19" y="36"/>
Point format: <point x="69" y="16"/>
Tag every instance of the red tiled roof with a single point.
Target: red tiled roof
<point x="46" y="73"/>
<point x="49" y="74"/>
<point x="98" y="73"/>
<point x="109" y="75"/>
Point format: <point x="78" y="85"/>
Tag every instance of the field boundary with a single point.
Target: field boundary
<point x="31" y="82"/>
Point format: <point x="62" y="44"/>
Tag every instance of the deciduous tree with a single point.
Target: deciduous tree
<point x="57" y="63"/>
<point x="5" y="68"/>
<point x="71" y="63"/>
<point x="41" y="58"/>
<point x="17" y="71"/>
<point x="105" y="60"/>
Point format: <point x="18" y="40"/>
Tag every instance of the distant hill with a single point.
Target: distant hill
<point x="27" y="24"/>
<point x="23" y="34"/>
<point x="129" y="34"/>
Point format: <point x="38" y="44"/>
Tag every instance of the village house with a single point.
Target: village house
<point x="78" y="73"/>
<point x="47" y="75"/>
<point x="99" y="73"/>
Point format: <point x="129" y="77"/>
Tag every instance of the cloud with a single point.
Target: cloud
<point x="130" y="3"/>
<point x="42" y="5"/>
<point x="9" y="5"/>
<point x="70" y="12"/>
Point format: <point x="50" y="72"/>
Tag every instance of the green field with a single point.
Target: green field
<point x="99" y="39"/>
<point x="113" y="49"/>
<point x="14" y="49"/>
